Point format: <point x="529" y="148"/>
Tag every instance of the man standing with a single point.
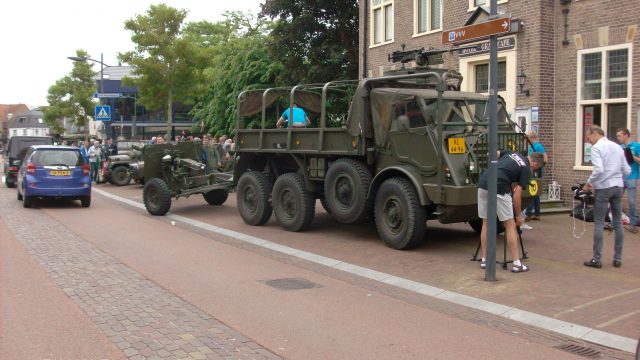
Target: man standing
<point x="84" y="151"/>
<point x="533" y="210"/>
<point x="512" y="167"/>
<point x="632" y="155"/>
<point x="607" y="180"/>
<point x="94" y="160"/>
<point x="111" y="148"/>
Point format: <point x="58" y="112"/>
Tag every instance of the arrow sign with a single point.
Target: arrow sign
<point x="477" y="31"/>
<point x="103" y="113"/>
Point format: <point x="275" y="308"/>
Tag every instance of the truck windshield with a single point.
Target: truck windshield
<point x="466" y="113"/>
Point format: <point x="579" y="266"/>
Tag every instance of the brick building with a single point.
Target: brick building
<point x="580" y="59"/>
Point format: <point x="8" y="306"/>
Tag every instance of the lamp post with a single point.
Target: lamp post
<point x="102" y="66"/>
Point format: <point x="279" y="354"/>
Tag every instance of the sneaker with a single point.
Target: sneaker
<point x="532" y="217"/>
<point x="525" y="227"/>
<point x="483" y="263"/>
<point x="593" y="263"/>
<point x="617" y="263"/>
<point x="519" y="268"/>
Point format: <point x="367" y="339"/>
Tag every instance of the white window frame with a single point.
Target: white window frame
<point x="416" y="18"/>
<point x="473" y="7"/>
<point x="604" y="101"/>
<point x="383" y="19"/>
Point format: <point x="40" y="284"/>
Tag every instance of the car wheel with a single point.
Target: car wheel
<point x="400" y="219"/>
<point x="216" y="197"/>
<point x="346" y="188"/>
<point x="253" y="192"/>
<point x="85" y="201"/>
<point x="157" y="197"/>
<point x="120" y="176"/>
<point x="19" y="196"/>
<point x="26" y="201"/>
<point x="293" y="205"/>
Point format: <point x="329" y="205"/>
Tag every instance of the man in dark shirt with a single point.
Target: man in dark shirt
<point x="512" y="168"/>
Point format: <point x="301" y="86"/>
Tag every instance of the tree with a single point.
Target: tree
<point x="240" y="61"/>
<point x="70" y="96"/>
<point x="317" y="40"/>
<point x="164" y="61"/>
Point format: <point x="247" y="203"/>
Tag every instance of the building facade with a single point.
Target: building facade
<point x="580" y="59"/>
<point x="29" y="123"/>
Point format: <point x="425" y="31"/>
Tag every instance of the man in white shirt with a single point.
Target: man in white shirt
<point x="610" y="167"/>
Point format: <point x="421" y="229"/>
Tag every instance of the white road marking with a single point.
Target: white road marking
<point x="525" y="317"/>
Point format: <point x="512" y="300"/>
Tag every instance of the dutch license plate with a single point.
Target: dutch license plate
<point x="457" y="146"/>
<point x="60" y="172"/>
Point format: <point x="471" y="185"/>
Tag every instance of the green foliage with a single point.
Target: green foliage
<point x="164" y="59"/>
<point x="317" y="40"/>
<point x="71" y="96"/>
<point x="239" y="62"/>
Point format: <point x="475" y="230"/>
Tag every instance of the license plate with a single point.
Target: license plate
<point x="457" y="146"/>
<point x="60" y="172"/>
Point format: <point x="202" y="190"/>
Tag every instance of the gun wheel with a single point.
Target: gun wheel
<point x="253" y="192"/>
<point x="293" y="205"/>
<point x="157" y="197"/>
<point x="400" y="219"/>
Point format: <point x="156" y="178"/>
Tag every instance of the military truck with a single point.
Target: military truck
<point x="175" y="171"/>
<point x="400" y="149"/>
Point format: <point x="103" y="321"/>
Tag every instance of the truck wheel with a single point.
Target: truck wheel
<point x="216" y="197"/>
<point x="157" y="197"/>
<point x="252" y="195"/>
<point x="325" y="206"/>
<point x="400" y="219"/>
<point x="345" y="190"/>
<point x="476" y="225"/>
<point x="10" y="184"/>
<point x="293" y="205"/>
<point x="120" y="176"/>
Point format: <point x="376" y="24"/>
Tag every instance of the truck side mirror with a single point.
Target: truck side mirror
<point x="403" y="123"/>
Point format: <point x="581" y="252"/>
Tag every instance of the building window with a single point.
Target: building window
<point x="473" y="4"/>
<point x="479" y="2"/>
<point x="14" y="132"/>
<point x="482" y="77"/>
<point x="428" y="16"/>
<point x="604" y="93"/>
<point x="382" y="15"/>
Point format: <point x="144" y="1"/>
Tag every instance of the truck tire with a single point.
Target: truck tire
<point x="252" y="195"/>
<point x="400" y="219"/>
<point x="345" y="190"/>
<point x="216" y="197"/>
<point x="10" y="184"/>
<point x="476" y="225"/>
<point x="120" y="176"/>
<point x="293" y="205"/>
<point x="325" y="206"/>
<point x="157" y="197"/>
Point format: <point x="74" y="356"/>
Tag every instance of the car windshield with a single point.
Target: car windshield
<point x="51" y="157"/>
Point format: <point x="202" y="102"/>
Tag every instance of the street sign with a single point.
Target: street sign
<point x="103" y="113"/>
<point x="477" y="31"/>
<point x="107" y="95"/>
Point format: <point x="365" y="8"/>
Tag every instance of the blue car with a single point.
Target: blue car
<point x="56" y="172"/>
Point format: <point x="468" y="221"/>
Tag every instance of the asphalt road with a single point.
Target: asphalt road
<point x="337" y="317"/>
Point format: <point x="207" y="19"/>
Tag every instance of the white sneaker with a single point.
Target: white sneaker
<point x="525" y="227"/>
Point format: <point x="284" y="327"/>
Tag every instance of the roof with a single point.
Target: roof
<point x="28" y="119"/>
<point x="6" y="109"/>
<point x="54" y="147"/>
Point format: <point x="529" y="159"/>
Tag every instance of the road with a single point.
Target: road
<point x="252" y="291"/>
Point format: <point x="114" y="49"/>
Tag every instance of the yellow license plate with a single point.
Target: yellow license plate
<point x="60" y="172"/>
<point x="457" y="146"/>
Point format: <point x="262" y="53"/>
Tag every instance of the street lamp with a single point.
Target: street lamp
<point x="102" y="66"/>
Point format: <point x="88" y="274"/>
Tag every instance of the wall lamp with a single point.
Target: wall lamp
<point x="522" y="80"/>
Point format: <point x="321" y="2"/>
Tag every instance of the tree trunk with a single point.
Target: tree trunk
<point x="169" y="114"/>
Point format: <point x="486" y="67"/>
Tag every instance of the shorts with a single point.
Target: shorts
<point x="504" y="205"/>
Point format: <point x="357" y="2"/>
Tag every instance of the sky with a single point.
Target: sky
<point x="37" y="36"/>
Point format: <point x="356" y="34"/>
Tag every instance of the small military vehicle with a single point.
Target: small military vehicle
<point x="175" y="171"/>
<point x="400" y="149"/>
<point x="14" y="154"/>
<point x="117" y="167"/>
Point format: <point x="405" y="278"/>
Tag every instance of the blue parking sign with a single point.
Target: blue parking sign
<point x="103" y="113"/>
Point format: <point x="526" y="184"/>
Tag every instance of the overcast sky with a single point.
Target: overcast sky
<point x="37" y="36"/>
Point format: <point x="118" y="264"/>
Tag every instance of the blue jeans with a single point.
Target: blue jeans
<point x="631" y="186"/>
<point x="604" y="198"/>
<point x="534" y="207"/>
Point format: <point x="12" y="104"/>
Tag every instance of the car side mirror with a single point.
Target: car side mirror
<point x="403" y="123"/>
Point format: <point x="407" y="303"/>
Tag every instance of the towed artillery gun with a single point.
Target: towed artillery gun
<point x="175" y="171"/>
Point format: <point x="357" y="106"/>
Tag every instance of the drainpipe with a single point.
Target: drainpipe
<point x="365" y="40"/>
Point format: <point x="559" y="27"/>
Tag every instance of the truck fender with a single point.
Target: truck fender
<point x="400" y="171"/>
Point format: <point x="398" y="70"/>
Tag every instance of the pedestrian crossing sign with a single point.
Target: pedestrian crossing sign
<point x="103" y="113"/>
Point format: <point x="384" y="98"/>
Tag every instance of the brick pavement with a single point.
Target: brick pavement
<point x="142" y="319"/>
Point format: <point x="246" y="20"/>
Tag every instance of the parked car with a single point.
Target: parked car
<point x="15" y="152"/>
<point x="54" y="172"/>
